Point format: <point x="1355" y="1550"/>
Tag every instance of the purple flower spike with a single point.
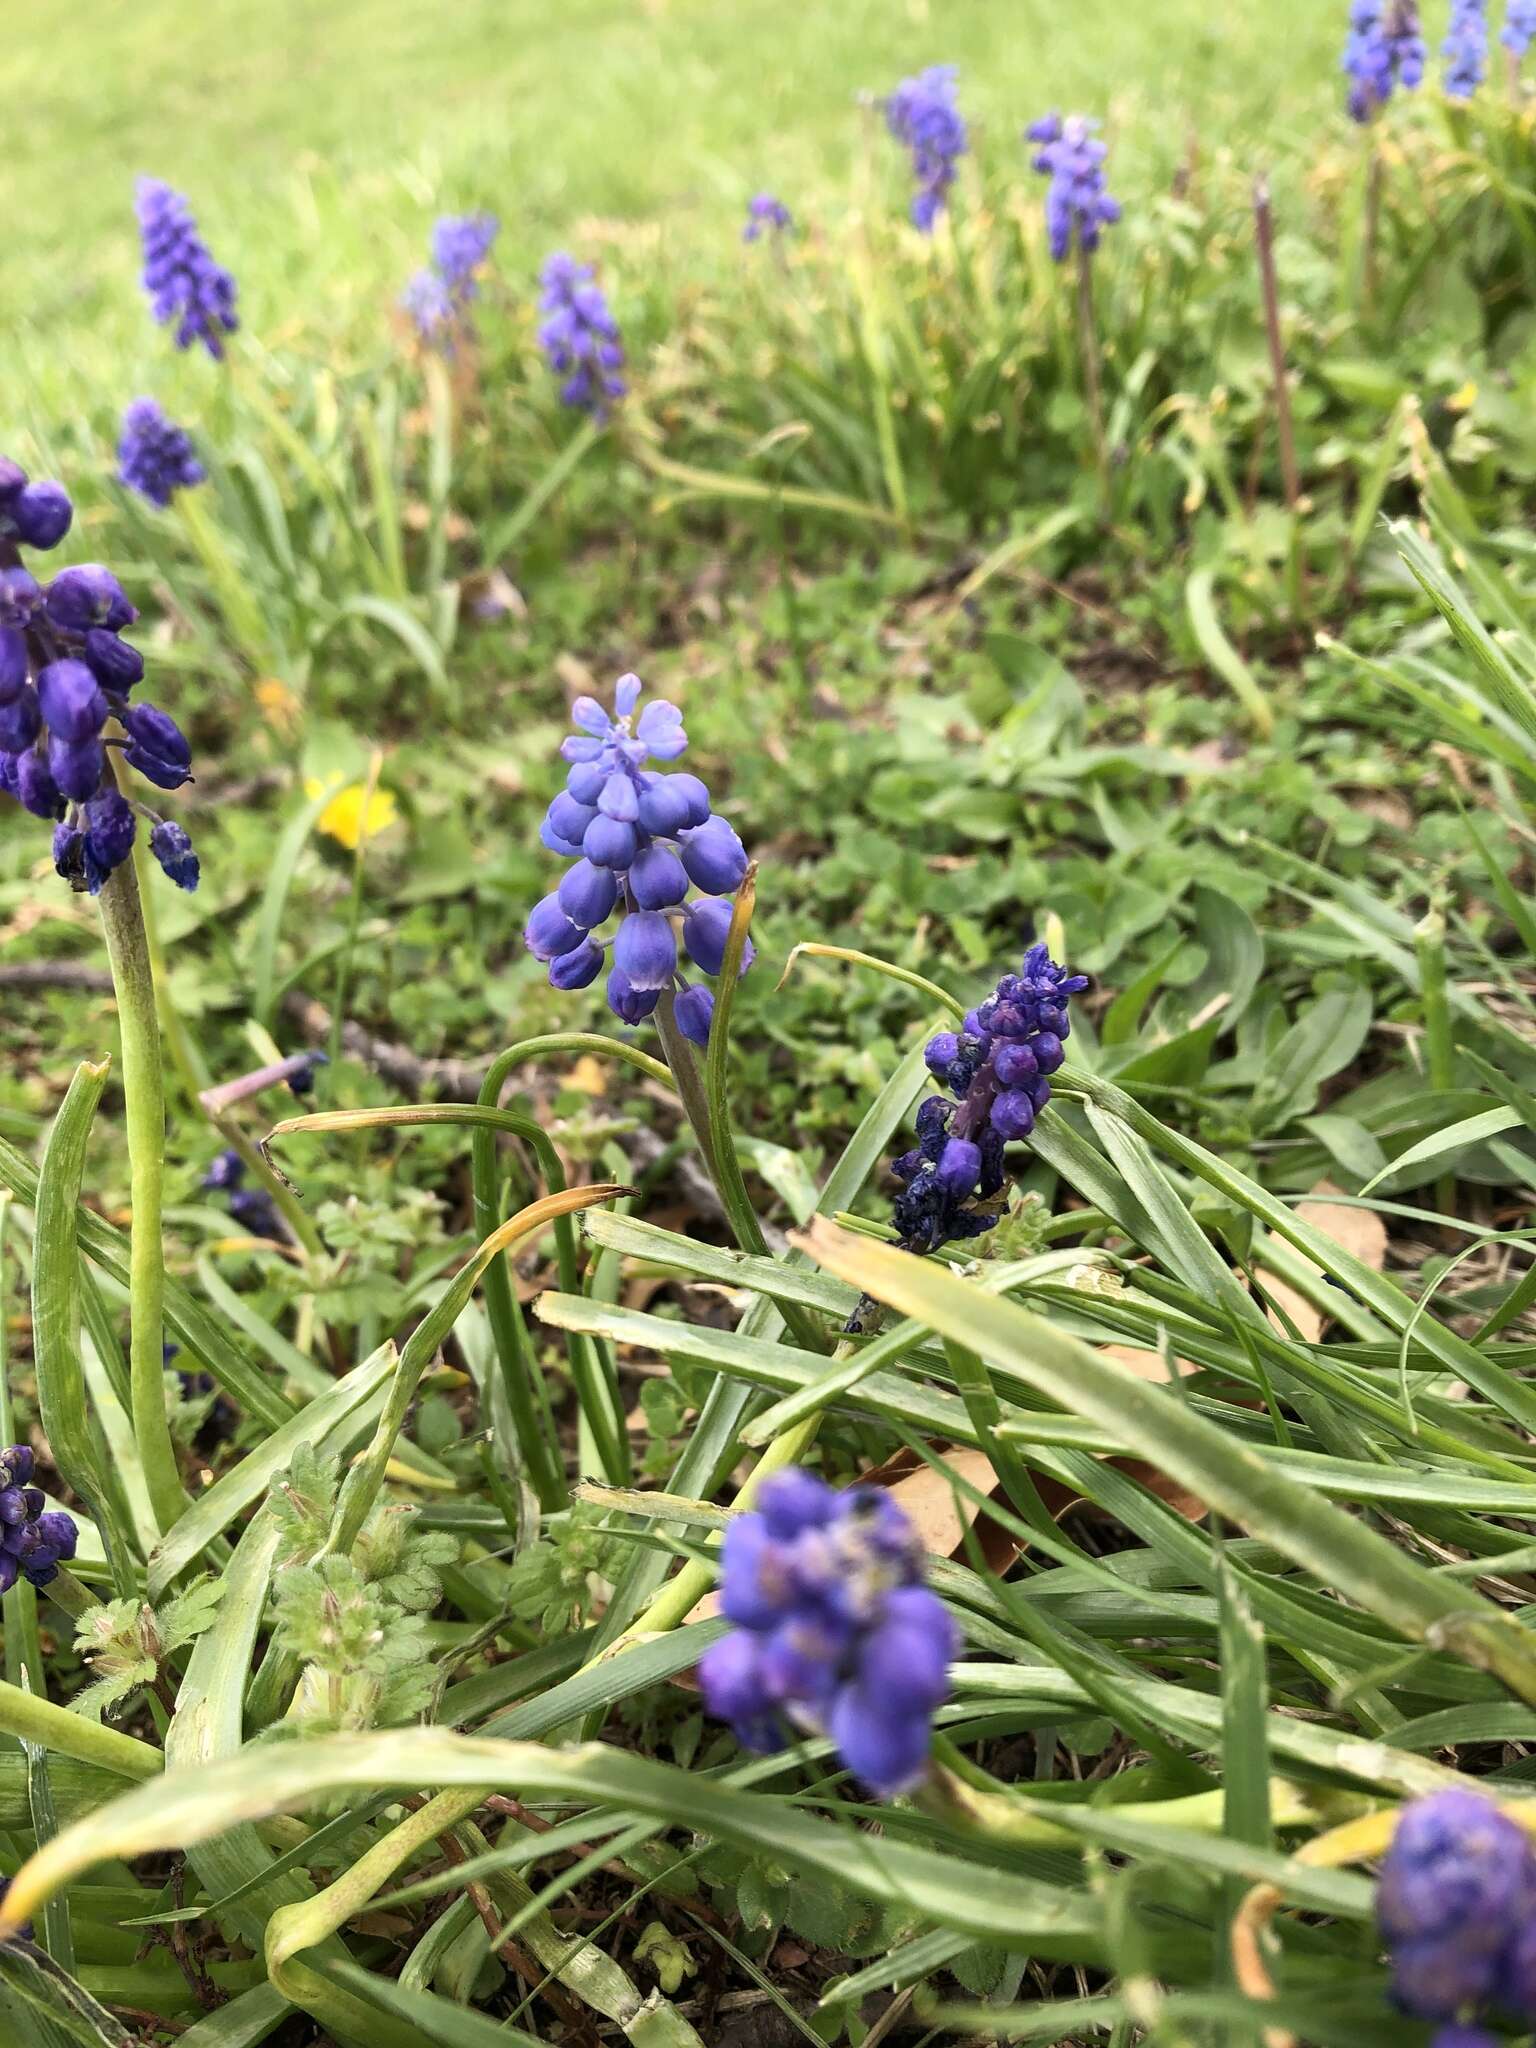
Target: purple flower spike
<point x="185" y="286"/>
<point x="1457" y="1884"/>
<point x="65" y="675"/>
<point x="1384" y="51"/>
<point x="155" y="457"/>
<point x="923" y="115"/>
<point x="994" y="1071"/>
<point x="833" y="1630"/>
<point x="1465" y="48"/>
<point x="580" y="336"/>
<point x="1077" y="206"/>
<point x="766" y="216"/>
<point x="34" y="1538"/>
<point x="638" y="840"/>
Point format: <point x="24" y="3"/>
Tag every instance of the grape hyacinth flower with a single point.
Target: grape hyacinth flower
<point x="1465" y="49"/>
<point x="34" y="1538"/>
<point x="996" y="1067"/>
<point x="766" y="216"/>
<point x="155" y="457"/>
<point x="923" y="115"/>
<point x="833" y="1629"/>
<point x="437" y="299"/>
<point x="252" y="1208"/>
<point x="639" y="840"/>
<point x="1519" y="30"/>
<point x="1077" y="206"/>
<point x="1458" y="1885"/>
<point x="1384" y="50"/>
<point x="580" y="335"/>
<point x="183" y="281"/>
<point x="65" y="678"/>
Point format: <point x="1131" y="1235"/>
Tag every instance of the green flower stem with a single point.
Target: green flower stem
<point x="122" y="919"/>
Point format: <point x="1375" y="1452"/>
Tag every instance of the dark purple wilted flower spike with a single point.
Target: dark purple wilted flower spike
<point x="996" y="1067"/>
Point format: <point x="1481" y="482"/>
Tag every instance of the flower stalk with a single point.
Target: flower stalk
<point x="122" y="921"/>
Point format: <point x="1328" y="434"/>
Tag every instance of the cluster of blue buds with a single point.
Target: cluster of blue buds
<point x="580" y="335"/>
<point x="834" y="1629"/>
<point x="34" y="1538"/>
<point x="155" y="457"/>
<point x="1465" y="49"/>
<point x="922" y="113"/>
<point x="438" y="297"/>
<point x="639" y="839"/>
<point x="65" y="675"/>
<point x="1457" y="1908"/>
<point x="766" y="216"/>
<point x="252" y="1208"/>
<point x="996" y="1069"/>
<point x="1077" y="206"/>
<point x="1519" y="30"/>
<point x="183" y="281"/>
<point x="1384" y="50"/>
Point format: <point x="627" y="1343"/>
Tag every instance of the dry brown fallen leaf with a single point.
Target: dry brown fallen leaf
<point x="1360" y="1231"/>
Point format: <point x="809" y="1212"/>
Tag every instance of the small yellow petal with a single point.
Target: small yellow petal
<point x="345" y="818"/>
<point x="1464" y="399"/>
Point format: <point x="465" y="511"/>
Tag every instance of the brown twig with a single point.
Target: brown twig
<point x="1264" y="226"/>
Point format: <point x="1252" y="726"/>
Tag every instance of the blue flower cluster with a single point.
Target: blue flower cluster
<point x="996" y="1069"/>
<point x="639" y="839"/>
<point x="437" y="298"/>
<point x="155" y="457"/>
<point x="1384" y="50"/>
<point x="1457" y="1908"/>
<point x="65" y="674"/>
<point x="769" y="216"/>
<point x="1076" y="202"/>
<point x="923" y="115"/>
<point x="34" y="1538"/>
<point x="1519" y="30"/>
<point x="183" y="281"/>
<point x="1465" y="49"/>
<point x="252" y="1208"/>
<point x="834" y="1629"/>
<point x="580" y="335"/>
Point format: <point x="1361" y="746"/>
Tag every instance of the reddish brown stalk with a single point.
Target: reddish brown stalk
<point x="1264" y="226"/>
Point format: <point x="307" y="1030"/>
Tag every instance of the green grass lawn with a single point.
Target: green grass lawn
<point x="995" y="616"/>
<point x="317" y="142"/>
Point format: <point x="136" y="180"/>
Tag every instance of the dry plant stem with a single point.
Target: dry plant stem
<point x="1264" y="228"/>
<point x="1373" y="184"/>
<point x="122" y="919"/>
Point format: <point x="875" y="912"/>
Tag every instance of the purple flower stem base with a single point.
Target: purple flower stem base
<point x="1093" y="386"/>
